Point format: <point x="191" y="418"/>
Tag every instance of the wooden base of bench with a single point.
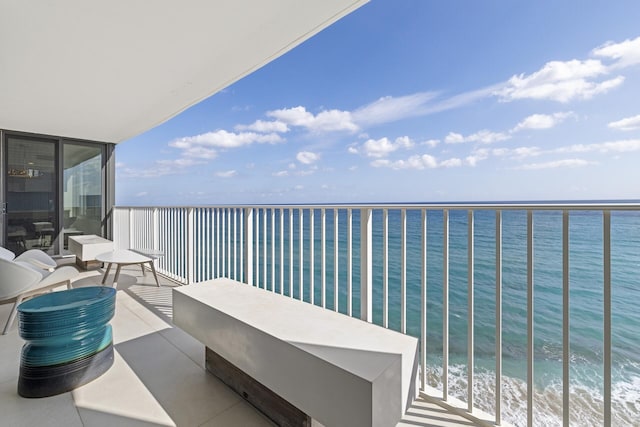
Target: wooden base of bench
<point x="262" y="398"/>
<point x="88" y="265"/>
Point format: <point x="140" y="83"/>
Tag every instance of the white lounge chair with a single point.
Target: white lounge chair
<point x="25" y="277"/>
<point x="34" y="256"/>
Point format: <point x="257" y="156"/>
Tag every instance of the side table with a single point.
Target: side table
<point x="86" y="247"/>
<point x="124" y="257"/>
<point x="68" y="340"/>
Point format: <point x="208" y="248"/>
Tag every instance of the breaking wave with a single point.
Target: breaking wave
<point x="586" y="403"/>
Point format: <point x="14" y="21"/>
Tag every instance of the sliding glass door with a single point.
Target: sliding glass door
<point x="30" y="194"/>
<point x="53" y="188"/>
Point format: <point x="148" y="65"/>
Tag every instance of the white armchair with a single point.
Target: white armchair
<point x="25" y="277"/>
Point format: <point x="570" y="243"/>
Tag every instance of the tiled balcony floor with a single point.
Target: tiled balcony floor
<point x="158" y="377"/>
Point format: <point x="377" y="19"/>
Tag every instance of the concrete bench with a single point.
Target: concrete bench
<point x="338" y="370"/>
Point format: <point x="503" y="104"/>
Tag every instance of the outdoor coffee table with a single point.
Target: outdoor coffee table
<point x="124" y="257"/>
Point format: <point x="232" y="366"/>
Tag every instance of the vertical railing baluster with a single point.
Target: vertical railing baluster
<point x="423" y="300"/>
<point x="445" y="305"/>
<point x="312" y="270"/>
<point x="498" y="385"/>
<point x="217" y="243"/>
<point x="264" y="249"/>
<point x="470" y="309"/>
<point x="156" y="230"/>
<point x="210" y="247"/>
<point x="349" y="261"/>
<point x="301" y="253"/>
<point x="385" y="268"/>
<point x="171" y="223"/>
<point x="229" y="244"/>
<point x="607" y="315"/>
<point x="291" y="252"/>
<point x="566" y="392"/>
<point x="323" y="255"/>
<point x="131" y="229"/>
<point x="222" y="242"/>
<point x="242" y="254"/>
<point x="273" y="250"/>
<point x="175" y="230"/>
<point x="198" y="255"/>
<point x="530" y="342"/>
<point x="235" y="244"/>
<point x="191" y="250"/>
<point x="403" y="271"/>
<point x="247" y="247"/>
<point x="366" y="267"/>
<point x="335" y="260"/>
<point x="223" y="235"/>
<point x="281" y="251"/>
<point x="257" y="247"/>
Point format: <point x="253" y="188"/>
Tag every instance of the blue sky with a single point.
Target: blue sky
<point x="415" y="101"/>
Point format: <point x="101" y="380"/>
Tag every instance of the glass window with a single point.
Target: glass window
<point x="82" y="190"/>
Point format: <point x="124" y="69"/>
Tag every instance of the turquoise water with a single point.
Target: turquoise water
<point x="586" y="303"/>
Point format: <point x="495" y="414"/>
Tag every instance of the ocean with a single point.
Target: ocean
<point x="586" y="303"/>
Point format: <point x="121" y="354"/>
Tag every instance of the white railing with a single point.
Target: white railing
<point x="317" y="254"/>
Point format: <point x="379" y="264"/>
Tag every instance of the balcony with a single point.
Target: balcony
<point x="524" y="312"/>
<point x="158" y="378"/>
<point x="528" y="310"/>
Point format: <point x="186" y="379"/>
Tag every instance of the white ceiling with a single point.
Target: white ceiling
<point x="110" y="70"/>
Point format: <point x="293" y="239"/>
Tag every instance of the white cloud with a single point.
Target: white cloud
<point x="388" y="109"/>
<point x="325" y="121"/>
<point x="624" y="146"/>
<point x="281" y="173"/>
<point x="179" y="163"/>
<point x="629" y="123"/>
<point x="307" y="157"/>
<point x="306" y="172"/>
<point x="383" y="147"/>
<point x="625" y="53"/>
<point x="240" y="107"/>
<point x="451" y="163"/>
<point x="483" y="136"/>
<point x="424" y="161"/>
<point x="561" y="81"/>
<point x="227" y="174"/>
<point x="477" y="156"/>
<point x="333" y="120"/>
<point x="431" y="142"/>
<point x="224" y="139"/>
<point x="542" y="121"/>
<point x="160" y="168"/>
<point x="265" y="127"/>
<point x="566" y="163"/>
<point x="200" y="152"/>
<point x="524" y="152"/>
<point x="454" y="138"/>
<point x="352" y="149"/>
<point x="142" y="194"/>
